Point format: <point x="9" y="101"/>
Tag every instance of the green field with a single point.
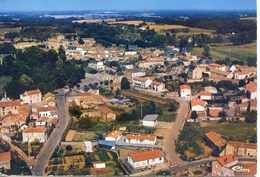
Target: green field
<point x="3" y="81"/>
<point x="4" y="30"/>
<point x="241" y="52"/>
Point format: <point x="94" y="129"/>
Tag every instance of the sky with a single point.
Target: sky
<point x="81" y="5"/>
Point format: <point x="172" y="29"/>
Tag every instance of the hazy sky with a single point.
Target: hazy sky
<point x="75" y="5"/>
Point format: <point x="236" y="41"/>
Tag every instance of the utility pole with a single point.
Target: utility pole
<point x="141" y="111"/>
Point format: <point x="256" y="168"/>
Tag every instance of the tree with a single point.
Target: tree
<point x="81" y="41"/>
<point x="118" y="91"/>
<point x="68" y="148"/>
<point x="86" y="122"/>
<point x="206" y="51"/>
<point x="251" y="61"/>
<point x="172" y="107"/>
<point x="74" y="110"/>
<point x="251" y="117"/>
<point x="125" y="84"/>
<point x="194" y="115"/>
<point x="222" y="114"/>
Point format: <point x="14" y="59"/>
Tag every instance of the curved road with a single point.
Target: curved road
<point x="54" y="139"/>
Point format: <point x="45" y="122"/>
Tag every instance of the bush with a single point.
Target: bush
<point x="68" y="148"/>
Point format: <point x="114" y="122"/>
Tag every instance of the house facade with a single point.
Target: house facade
<point x="142" y="82"/>
<point x="185" y="91"/>
<point x="8" y="107"/>
<point x="106" y="113"/>
<point x="240" y="149"/>
<point x="5" y="159"/>
<point x="145" y="159"/>
<point x="33" y="96"/>
<point x="221" y="166"/>
<point x="158" y="86"/>
<point x="198" y="105"/>
<point x="32" y="133"/>
<point x="205" y="95"/>
<point x="150" y="120"/>
<point x="140" y="139"/>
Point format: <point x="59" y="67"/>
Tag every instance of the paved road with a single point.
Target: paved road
<point x="169" y="141"/>
<point x="54" y="139"/>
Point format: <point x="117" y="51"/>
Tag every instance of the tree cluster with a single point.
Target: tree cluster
<point x="35" y="68"/>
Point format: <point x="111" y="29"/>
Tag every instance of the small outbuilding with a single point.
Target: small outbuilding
<point x="150" y="120"/>
<point x="88" y="146"/>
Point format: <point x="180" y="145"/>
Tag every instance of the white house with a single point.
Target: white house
<point x="33" y="96"/>
<point x="150" y="120"/>
<point x="114" y="136"/>
<point x="47" y="112"/>
<point x="197" y="104"/>
<point x="158" y="86"/>
<point x="32" y="133"/>
<point x="88" y="146"/>
<point x="145" y="159"/>
<point x="127" y="65"/>
<point x="41" y="123"/>
<point x="252" y="93"/>
<point x="140" y="139"/>
<point x="142" y="82"/>
<point x="131" y="73"/>
<point x="241" y="75"/>
<point x="205" y="95"/>
<point x="185" y="91"/>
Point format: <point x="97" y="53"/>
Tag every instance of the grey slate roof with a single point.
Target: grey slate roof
<point x="151" y="117"/>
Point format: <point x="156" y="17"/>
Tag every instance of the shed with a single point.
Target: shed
<point x="88" y="146"/>
<point x="100" y="166"/>
<point x="150" y="120"/>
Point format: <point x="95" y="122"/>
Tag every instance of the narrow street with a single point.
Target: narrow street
<point x="169" y="141"/>
<point x="48" y="148"/>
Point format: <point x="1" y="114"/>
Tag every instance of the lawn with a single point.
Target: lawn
<point x="4" y="30"/>
<point x="103" y="127"/>
<point x="158" y="27"/>
<point x="241" y="52"/>
<point x="167" y="116"/>
<point x="190" y="141"/>
<point x="3" y="81"/>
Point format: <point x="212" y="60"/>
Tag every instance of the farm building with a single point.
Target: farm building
<point x="150" y="120"/>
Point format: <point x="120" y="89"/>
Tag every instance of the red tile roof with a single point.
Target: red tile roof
<point x="47" y="109"/>
<point x="214" y="111"/>
<point x="227" y="159"/>
<point x="156" y="83"/>
<point x="142" y="79"/>
<point x="182" y="87"/>
<point x="204" y="92"/>
<point x="105" y="110"/>
<point x="197" y="101"/>
<point x="114" y="134"/>
<point x="33" y="92"/>
<point x="5" y="156"/>
<point x="251" y="85"/>
<point x="141" y="137"/>
<point x="146" y="155"/>
<point x="35" y="130"/>
<point x="216" y="138"/>
<point x="243" y="145"/>
<point x="10" y="103"/>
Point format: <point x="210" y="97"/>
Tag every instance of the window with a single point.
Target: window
<point x="160" y="158"/>
<point x="216" y="165"/>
